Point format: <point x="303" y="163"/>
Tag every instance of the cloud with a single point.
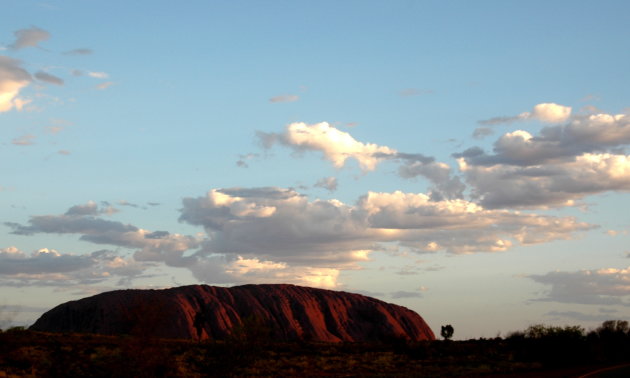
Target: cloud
<point x="281" y="225"/>
<point x="48" y="78"/>
<point x="24" y="140"/>
<point x="98" y="75"/>
<point x="610" y="286"/>
<point x="558" y="167"/>
<point x="482" y="132"/>
<point x="239" y="270"/>
<point x="48" y="267"/>
<point x="244" y="158"/>
<point x="545" y="112"/>
<point x="278" y="225"/>
<point x="105" y="85"/>
<point x="406" y="294"/>
<point x="278" y="235"/>
<point x="84" y="220"/>
<point x="328" y="183"/>
<point x="504" y="119"/>
<point x="446" y="185"/>
<point x="29" y="37"/>
<point x="579" y="316"/>
<point x="415" y="92"/>
<point x="42" y="261"/>
<point x="552" y="185"/>
<point x="550" y="112"/>
<point x="127" y="203"/>
<point x="338" y="146"/>
<point x="459" y="226"/>
<point x="284" y="98"/>
<point x="12" y="79"/>
<point x="90" y="208"/>
<point x="79" y="51"/>
<point x="593" y="133"/>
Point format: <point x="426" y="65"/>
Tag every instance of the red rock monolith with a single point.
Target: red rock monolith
<point x="201" y="312"/>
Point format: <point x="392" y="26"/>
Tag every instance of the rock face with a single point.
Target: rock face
<point x="200" y="312"/>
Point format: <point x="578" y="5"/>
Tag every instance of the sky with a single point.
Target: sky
<point x="467" y="160"/>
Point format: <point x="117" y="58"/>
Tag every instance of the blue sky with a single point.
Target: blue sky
<point x="468" y="160"/>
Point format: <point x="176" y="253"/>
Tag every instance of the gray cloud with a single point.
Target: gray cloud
<point x="406" y="294"/>
<point x="48" y="78"/>
<point x="588" y="134"/>
<point x="284" y="98"/>
<point x="440" y="174"/>
<point x="276" y="223"/>
<point x="158" y="235"/>
<point x="328" y="183"/>
<point x="11" y="70"/>
<point x="579" y="316"/>
<point x="90" y="208"/>
<point x="71" y="224"/>
<point x="24" y="140"/>
<point x="129" y="204"/>
<point x="558" y="167"/>
<point x="553" y="185"/>
<point x="79" y="51"/>
<point x="244" y="158"/>
<point x="482" y="132"/>
<point x="500" y="120"/>
<point x="159" y="246"/>
<point x="29" y="37"/>
<point x="47" y="267"/>
<point x="42" y="261"/>
<point x="282" y="225"/>
<point x="599" y="287"/>
<point x="409" y="92"/>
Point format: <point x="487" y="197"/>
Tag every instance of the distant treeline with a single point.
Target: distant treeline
<point x="610" y="342"/>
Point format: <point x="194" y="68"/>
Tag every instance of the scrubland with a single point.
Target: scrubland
<point x="537" y="351"/>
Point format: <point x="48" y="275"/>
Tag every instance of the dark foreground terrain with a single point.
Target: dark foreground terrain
<point x="539" y="351"/>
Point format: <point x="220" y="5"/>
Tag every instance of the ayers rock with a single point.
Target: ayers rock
<point x="202" y="312"/>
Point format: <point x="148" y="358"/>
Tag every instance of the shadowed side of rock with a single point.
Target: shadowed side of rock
<point x="201" y="312"/>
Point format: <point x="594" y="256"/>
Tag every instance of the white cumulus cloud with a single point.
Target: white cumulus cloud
<point x="13" y="78"/>
<point x="548" y="112"/>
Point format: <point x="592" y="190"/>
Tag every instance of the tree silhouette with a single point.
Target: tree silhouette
<point x="447" y="331"/>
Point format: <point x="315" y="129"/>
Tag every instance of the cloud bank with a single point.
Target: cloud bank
<point x="558" y="167"/>
<point x="282" y="225"/>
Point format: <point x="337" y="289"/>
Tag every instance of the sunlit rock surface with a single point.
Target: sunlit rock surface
<point x="200" y="312"/>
